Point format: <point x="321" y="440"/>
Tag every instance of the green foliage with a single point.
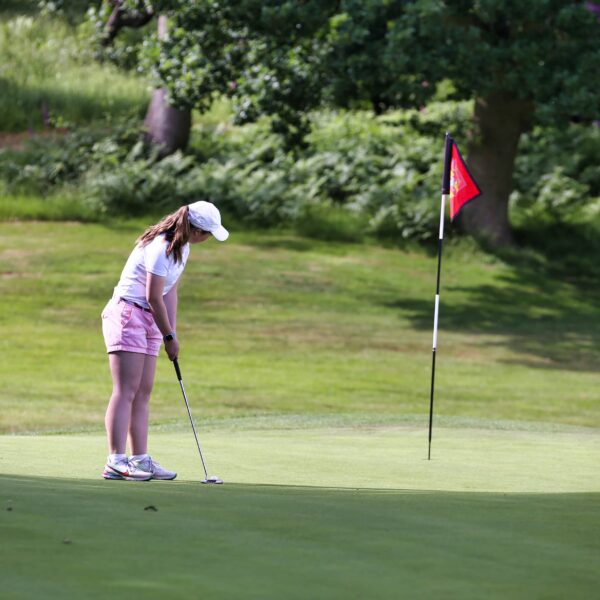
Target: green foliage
<point x="266" y="56"/>
<point x="356" y="169"/>
<point x="557" y="175"/>
<point x="125" y="51"/>
<point x="135" y="185"/>
<point x="45" y="162"/>
<point x="253" y="191"/>
<point x="359" y="175"/>
<point x="395" y="53"/>
<point x="72" y="10"/>
<point x="558" y="195"/>
<point x="285" y="58"/>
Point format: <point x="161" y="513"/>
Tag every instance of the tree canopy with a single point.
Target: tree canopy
<point x="275" y="53"/>
<point x="520" y="62"/>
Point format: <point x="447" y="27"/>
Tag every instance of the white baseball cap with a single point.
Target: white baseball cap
<point x="206" y="216"/>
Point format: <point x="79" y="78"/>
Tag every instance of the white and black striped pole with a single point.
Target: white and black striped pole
<point x="445" y="197"/>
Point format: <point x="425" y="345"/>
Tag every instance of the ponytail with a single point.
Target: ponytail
<point x="176" y="228"/>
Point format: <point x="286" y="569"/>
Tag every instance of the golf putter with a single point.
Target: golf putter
<point x="214" y="479"/>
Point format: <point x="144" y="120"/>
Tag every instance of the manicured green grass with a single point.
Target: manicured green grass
<point x="355" y="455"/>
<point x="307" y="367"/>
<point x="271" y="323"/>
<point x="315" y="513"/>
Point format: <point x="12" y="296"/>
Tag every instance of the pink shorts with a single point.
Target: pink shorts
<point x="128" y="328"/>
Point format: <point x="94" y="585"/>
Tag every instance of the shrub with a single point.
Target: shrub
<point x="359" y="175"/>
<point x="557" y="175"/>
<point x="52" y="160"/>
<point x="133" y="186"/>
<point x="46" y="162"/>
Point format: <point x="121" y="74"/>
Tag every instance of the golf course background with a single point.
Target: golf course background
<point x="306" y="360"/>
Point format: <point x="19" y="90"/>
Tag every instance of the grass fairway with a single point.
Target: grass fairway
<point x="308" y="513"/>
<point x="307" y="366"/>
<point x="276" y="323"/>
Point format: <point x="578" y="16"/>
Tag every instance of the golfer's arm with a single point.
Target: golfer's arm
<point x="170" y="301"/>
<point x="155" y="284"/>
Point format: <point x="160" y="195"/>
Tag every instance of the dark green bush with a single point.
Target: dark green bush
<point x="52" y="160"/>
<point x="557" y="175"/>
<point x="357" y="169"/>
<point x="46" y="162"/>
<point x="133" y="186"/>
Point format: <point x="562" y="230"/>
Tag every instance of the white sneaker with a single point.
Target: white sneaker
<point x="152" y="467"/>
<point x="125" y="470"/>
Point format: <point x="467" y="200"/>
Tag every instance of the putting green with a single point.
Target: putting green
<point x="307" y="513"/>
<point x="481" y="460"/>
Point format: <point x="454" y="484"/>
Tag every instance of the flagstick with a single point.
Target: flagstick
<point x="445" y="195"/>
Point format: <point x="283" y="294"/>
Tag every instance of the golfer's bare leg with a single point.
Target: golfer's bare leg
<point x="138" y="426"/>
<point x="126" y="369"/>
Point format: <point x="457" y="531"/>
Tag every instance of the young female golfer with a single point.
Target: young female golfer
<point x="141" y="314"/>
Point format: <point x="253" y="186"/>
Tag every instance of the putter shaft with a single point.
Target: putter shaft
<point x="187" y="405"/>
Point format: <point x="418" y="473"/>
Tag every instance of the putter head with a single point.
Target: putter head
<point x="214" y="479"/>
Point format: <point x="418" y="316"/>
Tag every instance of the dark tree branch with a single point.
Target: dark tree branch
<point x="119" y="18"/>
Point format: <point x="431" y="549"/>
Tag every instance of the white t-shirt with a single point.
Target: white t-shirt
<point x="151" y="258"/>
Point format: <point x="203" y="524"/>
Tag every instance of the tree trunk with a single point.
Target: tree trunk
<point x="501" y="119"/>
<point x="166" y="127"/>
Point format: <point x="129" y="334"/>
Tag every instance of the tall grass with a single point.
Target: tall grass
<point x="48" y="77"/>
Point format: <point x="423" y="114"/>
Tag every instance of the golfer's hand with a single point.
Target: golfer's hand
<point x="172" y="349"/>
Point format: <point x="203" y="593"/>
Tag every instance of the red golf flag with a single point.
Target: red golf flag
<point x="459" y="185"/>
<point x="463" y="187"/>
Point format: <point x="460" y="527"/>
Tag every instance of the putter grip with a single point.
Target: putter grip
<point x="177" y="369"/>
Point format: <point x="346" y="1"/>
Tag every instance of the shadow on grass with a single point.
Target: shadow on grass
<point x="275" y="542"/>
<point x="277" y="240"/>
<point x="284" y="242"/>
<point x="548" y="304"/>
